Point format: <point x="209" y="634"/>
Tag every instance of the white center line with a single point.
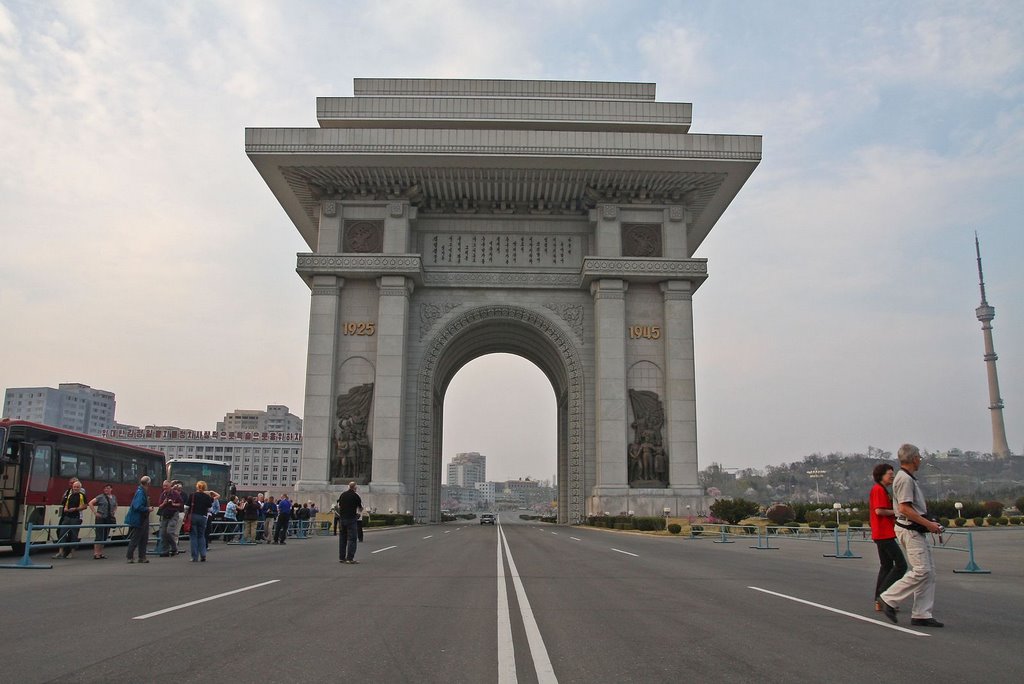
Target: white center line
<point x="384" y="549"/>
<point x="209" y="598"/>
<point x="555" y="533"/>
<point x="841" y="612"/>
<point x="541" y="661"/>
<point x="626" y="552"/>
<point x="447" y="531"/>
<point x="575" y="538"/>
<point x="506" y="647"/>
<point x="428" y="536"/>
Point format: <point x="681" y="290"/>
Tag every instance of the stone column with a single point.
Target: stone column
<point x="317" y="423"/>
<point x="610" y="430"/>
<point x="389" y="387"/>
<point x="680" y="433"/>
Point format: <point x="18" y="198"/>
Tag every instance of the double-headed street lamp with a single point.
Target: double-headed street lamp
<point x="816" y="475"/>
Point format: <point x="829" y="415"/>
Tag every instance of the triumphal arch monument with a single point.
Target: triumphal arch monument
<point x="556" y="220"/>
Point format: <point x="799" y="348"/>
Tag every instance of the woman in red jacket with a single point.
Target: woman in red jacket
<point x="883" y="531"/>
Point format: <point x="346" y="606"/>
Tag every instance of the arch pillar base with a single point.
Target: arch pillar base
<point x="681" y="501"/>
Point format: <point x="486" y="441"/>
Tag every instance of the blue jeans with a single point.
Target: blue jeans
<point x="197" y="537"/>
<point x="348" y="538"/>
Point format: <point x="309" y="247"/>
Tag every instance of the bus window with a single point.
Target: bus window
<point x="107" y="470"/>
<point x="85" y="467"/>
<point x="39" y="475"/>
<point x="131" y="471"/>
<point x="68" y="466"/>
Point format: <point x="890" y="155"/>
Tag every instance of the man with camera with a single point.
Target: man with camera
<point x="912" y="524"/>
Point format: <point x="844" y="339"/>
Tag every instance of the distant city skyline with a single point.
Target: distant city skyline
<point x="143" y="253"/>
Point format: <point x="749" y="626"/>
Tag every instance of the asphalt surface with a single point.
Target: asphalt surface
<point x="582" y="605"/>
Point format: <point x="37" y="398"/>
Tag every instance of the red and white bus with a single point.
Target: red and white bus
<point x="38" y="461"/>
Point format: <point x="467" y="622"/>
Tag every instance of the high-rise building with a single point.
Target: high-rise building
<point x="275" y="419"/>
<point x="72" y="406"/>
<point x="985" y="314"/>
<point x="466" y="469"/>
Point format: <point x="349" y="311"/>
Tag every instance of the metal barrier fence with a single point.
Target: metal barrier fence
<point x="949" y="540"/>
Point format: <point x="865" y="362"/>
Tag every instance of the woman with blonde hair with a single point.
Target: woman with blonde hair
<point x="198" y="507"/>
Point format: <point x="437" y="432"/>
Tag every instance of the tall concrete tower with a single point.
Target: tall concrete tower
<point x="985" y="314"/>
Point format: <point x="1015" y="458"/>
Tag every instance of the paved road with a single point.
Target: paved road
<point x="520" y="602"/>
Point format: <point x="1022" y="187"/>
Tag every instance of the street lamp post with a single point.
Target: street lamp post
<point x="958" y="506"/>
<point x="838" y="507"/>
<point x="816" y="475"/>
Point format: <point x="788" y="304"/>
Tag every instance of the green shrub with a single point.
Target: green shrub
<point x="650" y="523"/>
<point x="854" y="522"/>
<point x="944" y="522"/>
<point x="734" y="510"/>
<point x="675" y="528"/>
<point x="830" y="524"/>
<point x="959" y="522"/>
<point x="1017" y="520"/>
<point x="696" y="530"/>
<point x="1004" y="520"/>
<point x="979" y="521"/>
<point x="814" y="524"/>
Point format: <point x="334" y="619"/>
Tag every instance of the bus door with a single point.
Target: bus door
<point x="10" y="477"/>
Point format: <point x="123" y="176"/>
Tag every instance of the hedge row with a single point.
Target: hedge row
<point x="628" y="522"/>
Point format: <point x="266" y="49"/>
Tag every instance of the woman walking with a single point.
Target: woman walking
<point x="892" y="565"/>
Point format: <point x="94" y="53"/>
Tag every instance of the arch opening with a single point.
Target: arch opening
<point x="511" y="330"/>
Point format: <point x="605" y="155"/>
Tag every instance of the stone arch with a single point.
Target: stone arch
<point x="494" y="329"/>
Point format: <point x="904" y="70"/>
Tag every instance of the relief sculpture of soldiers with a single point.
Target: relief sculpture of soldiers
<point x="647" y="458"/>
<point x="352" y="451"/>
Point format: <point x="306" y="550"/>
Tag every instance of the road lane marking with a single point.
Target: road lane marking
<point x="841" y="612"/>
<point x="635" y="555"/>
<point x="428" y="536"/>
<point x="506" y="647"/>
<point x="386" y="548"/>
<point x="575" y="538"/>
<point x="541" y="661"/>
<point x="209" y="598"/>
<point x="555" y="533"/>
<point x="447" y="531"/>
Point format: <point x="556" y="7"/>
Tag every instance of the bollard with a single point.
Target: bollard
<point x="768" y="543"/>
<point x="723" y="540"/>
<point x="846" y="554"/>
<point x="972" y="567"/>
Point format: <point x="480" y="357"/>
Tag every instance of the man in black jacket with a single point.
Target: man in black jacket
<point x="349" y="508"/>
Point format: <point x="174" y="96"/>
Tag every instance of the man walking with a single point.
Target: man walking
<point x="284" y="516"/>
<point x="911" y="527"/>
<point x="349" y="508"/>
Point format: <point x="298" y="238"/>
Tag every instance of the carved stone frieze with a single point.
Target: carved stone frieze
<point x="431" y="312"/>
<point x="643" y="270"/>
<point x="330" y="208"/>
<point x="572" y="314"/>
<point x="358" y="266"/>
<point x="396" y="209"/>
<point x="609" y="212"/>
<point x="675" y="213"/>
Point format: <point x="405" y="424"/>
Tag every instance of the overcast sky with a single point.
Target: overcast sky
<point x="143" y="254"/>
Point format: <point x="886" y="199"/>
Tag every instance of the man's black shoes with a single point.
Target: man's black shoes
<point x="888" y="610"/>
<point x="925" y="622"/>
